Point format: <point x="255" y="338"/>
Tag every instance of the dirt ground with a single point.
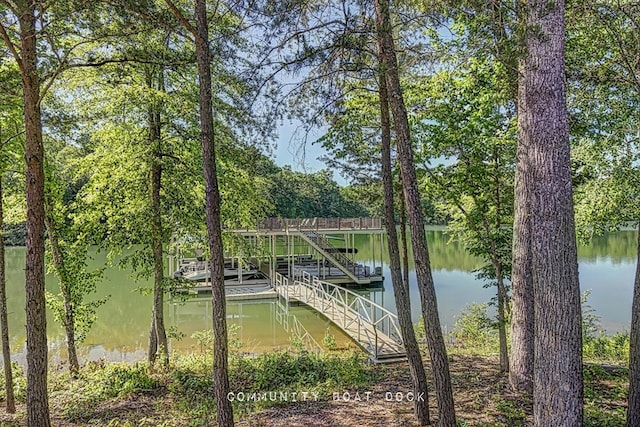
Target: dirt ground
<point x="481" y="395"/>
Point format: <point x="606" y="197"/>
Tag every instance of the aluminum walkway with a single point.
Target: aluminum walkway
<point x="370" y="325"/>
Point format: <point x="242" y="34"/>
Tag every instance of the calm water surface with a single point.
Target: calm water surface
<point x="607" y="268"/>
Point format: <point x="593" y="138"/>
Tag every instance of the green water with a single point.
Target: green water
<point x="607" y="267"/>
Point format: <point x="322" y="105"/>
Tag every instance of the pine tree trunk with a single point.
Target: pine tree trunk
<point x="212" y="196"/>
<point x="37" y="351"/>
<point x="69" y="309"/>
<point x="4" y="321"/>
<point x="633" y="411"/>
<point x="435" y="340"/>
<point x="400" y="287"/>
<point x="157" y="346"/>
<point x="405" y="243"/>
<point x="557" y="374"/>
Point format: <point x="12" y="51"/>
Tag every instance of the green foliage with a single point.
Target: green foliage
<point x="15" y="234"/>
<point x="19" y="383"/>
<point x="99" y="382"/>
<point x="474" y="330"/>
<point x="329" y="340"/>
<point x="607" y="349"/>
<point x="602" y="387"/>
<point x="281" y="372"/>
<point x="69" y="263"/>
<point x="300" y="371"/>
<point x="603" y="102"/>
<point x="297" y="344"/>
<point x="467" y="117"/>
<point x="514" y="415"/>
<point x="590" y="321"/>
<point x="204" y="340"/>
<point x="596" y="345"/>
<point x="300" y="195"/>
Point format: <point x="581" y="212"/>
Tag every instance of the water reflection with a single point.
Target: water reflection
<point x="607" y="267"/>
<point x="259" y="326"/>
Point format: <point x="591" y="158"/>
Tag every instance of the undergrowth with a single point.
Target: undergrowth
<point x="183" y="393"/>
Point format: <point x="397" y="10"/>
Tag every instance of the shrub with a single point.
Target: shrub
<point x="475" y="330"/>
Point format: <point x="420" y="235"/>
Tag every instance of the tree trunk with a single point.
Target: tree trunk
<point x="503" y="298"/>
<point x="543" y="123"/>
<point x="502" y="320"/>
<point x="435" y="340"/>
<point x="157" y="346"/>
<point x="69" y="309"/>
<point x="4" y="321"/>
<point x="400" y="287"/>
<point x="37" y="352"/>
<point x="212" y="195"/>
<point x="403" y="237"/>
<point x="633" y="411"/>
<point x="522" y="315"/>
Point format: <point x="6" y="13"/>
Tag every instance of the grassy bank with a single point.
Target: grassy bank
<point x="112" y="394"/>
<point x="339" y="388"/>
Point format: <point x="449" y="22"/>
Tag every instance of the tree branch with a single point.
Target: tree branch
<point x="10" y="45"/>
<point x="178" y="14"/>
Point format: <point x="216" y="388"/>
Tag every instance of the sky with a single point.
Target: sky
<point x="292" y="151"/>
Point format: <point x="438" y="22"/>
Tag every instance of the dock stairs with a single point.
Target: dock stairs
<point x="342" y="261"/>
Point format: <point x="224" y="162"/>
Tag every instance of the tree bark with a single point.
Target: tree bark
<point x="633" y="411"/>
<point x="69" y="308"/>
<point x="158" y="335"/>
<point x="403" y="237"/>
<point x="522" y="314"/>
<point x="543" y="127"/>
<point x="503" y="297"/>
<point x="212" y="196"/>
<point x="4" y="321"/>
<point x="37" y="351"/>
<point x="435" y="340"/>
<point x="502" y="321"/>
<point x="400" y="287"/>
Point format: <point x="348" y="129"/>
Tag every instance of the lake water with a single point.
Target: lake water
<point x="607" y="268"/>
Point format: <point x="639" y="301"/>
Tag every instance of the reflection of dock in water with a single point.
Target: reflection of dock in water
<point x="263" y="325"/>
<point x="293" y="326"/>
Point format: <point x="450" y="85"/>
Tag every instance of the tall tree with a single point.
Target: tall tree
<point x="11" y="131"/>
<point x="494" y="30"/>
<point x="200" y="33"/>
<point x="4" y="322"/>
<point x="543" y="129"/>
<point x="157" y="333"/>
<point x="25" y="55"/>
<point x="68" y="253"/>
<point x="400" y="285"/>
<point x="466" y="115"/>
<point x="604" y="89"/>
<point x="435" y="340"/>
<point x="214" y="230"/>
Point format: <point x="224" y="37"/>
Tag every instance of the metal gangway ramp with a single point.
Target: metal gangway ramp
<point x="372" y="326"/>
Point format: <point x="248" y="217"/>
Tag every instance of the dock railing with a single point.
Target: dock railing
<point x="319" y="224"/>
<point x="374" y="327"/>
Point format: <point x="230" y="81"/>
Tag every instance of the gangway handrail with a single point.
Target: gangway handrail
<point x="353" y="310"/>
